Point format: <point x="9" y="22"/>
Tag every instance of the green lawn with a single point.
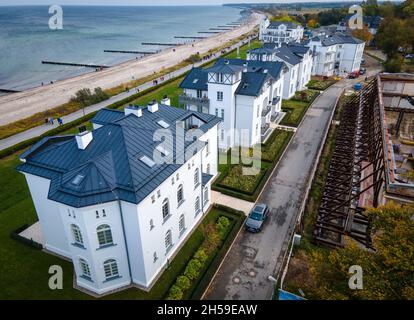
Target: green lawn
<point x="24" y="270"/>
<point x="295" y="110"/>
<point x="243" y="50"/>
<point x="318" y="83"/>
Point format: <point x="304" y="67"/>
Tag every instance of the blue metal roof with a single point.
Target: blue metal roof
<point x="196" y="79"/>
<point x="110" y="167"/>
<point x="254" y="75"/>
<point x="206" y="178"/>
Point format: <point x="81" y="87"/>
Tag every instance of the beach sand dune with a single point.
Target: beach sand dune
<point x="21" y="105"/>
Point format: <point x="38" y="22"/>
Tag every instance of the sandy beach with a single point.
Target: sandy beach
<point x="21" y="105"/>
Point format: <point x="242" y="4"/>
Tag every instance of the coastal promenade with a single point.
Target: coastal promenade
<point x="23" y="104"/>
<point x="39" y="130"/>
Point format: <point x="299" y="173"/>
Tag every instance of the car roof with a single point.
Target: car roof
<point x="260" y="207"/>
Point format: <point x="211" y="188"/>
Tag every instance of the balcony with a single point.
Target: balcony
<point x="201" y="103"/>
<point x="266" y="111"/>
<point x="275" y="101"/>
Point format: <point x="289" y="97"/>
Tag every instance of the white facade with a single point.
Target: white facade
<point x="299" y="68"/>
<point x="280" y="32"/>
<point x="118" y="244"/>
<point x="336" y="54"/>
<point x="239" y="112"/>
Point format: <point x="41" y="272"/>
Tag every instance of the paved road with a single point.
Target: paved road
<point x="253" y="257"/>
<point x="37" y="131"/>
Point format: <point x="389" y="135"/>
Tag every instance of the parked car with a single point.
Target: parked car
<point x="409" y="56"/>
<point x="362" y="71"/>
<point x="353" y="75"/>
<point x="257" y="217"/>
<point x="362" y="61"/>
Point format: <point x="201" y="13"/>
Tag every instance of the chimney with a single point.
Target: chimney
<point x="83" y="139"/>
<point x="166" y="101"/>
<point x="131" y="109"/>
<point x="153" y="106"/>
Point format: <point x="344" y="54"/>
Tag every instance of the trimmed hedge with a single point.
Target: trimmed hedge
<point x="211" y="269"/>
<point x="15" y="235"/>
<point x="264" y="173"/>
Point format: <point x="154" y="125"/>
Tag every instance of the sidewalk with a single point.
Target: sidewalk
<point x="231" y="202"/>
<point x="37" y="131"/>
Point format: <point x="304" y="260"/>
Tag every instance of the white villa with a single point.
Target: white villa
<point x="280" y="32"/>
<point x="335" y="54"/>
<point x="104" y="202"/>
<point x="297" y="57"/>
<point x="246" y="95"/>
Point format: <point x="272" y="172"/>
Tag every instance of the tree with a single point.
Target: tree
<point x="391" y="36"/>
<point x="363" y="34"/>
<point x="370" y="7"/>
<point x="312" y="23"/>
<point x="387" y="271"/>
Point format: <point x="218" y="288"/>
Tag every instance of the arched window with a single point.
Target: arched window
<point x="84" y="267"/>
<point x="77" y="235"/>
<point x="111" y="269"/>
<point x="168" y="240"/>
<point x="196" y="178"/>
<point x="180" y="194"/>
<point x="165" y="209"/>
<point x="181" y="224"/>
<point x="197" y="206"/>
<point x="104" y="235"/>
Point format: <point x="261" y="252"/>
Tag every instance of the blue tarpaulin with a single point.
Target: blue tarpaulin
<point x="284" y="295"/>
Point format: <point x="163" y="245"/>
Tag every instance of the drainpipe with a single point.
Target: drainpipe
<point x="125" y="241"/>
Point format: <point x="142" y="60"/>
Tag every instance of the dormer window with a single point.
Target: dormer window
<point x="78" y="180"/>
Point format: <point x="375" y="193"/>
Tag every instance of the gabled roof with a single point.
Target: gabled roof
<point x="254" y="74"/>
<point x="290" y="53"/>
<point x="196" y="79"/>
<point x="225" y="67"/>
<point x="110" y="168"/>
<point x="252" y="83"/>
<point x="288" y="24"/>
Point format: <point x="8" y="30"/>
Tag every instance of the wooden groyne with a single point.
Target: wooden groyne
<point x="221" y="29"/>
<point x="96" y="66"/>
<point x="160" y="44"/>
<point x="133" y="52"/>
<point x="215" y="32"/>
<point x="8" y="91"/>
<point x="188" y="37"/>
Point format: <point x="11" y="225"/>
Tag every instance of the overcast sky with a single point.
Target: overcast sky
<point x="148" y="2"/>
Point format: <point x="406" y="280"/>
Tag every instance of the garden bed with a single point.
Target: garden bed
<point x="232" y="181"/>
<point x="218" y="236"/>
<point x="320" y="83"/>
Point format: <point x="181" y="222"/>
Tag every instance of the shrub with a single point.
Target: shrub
<point x="393" y="65"/>
<point x="183" y="282"/>
<point x="193" y="269"/>
<point x="222" y="225"/>
<point x="201" y="256"/>
<point x="175" y="293"/>
<point x="86" y="98"/>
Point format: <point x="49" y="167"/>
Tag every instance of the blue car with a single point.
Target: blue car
<point x="257" y="217"/>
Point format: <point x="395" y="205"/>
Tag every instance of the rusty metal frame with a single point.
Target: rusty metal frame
<point x="359" y="148"/>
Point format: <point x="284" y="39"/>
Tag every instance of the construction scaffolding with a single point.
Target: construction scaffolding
<point x="355" y="178"/>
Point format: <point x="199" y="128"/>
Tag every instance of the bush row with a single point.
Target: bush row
<point x="214" y="234"/>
